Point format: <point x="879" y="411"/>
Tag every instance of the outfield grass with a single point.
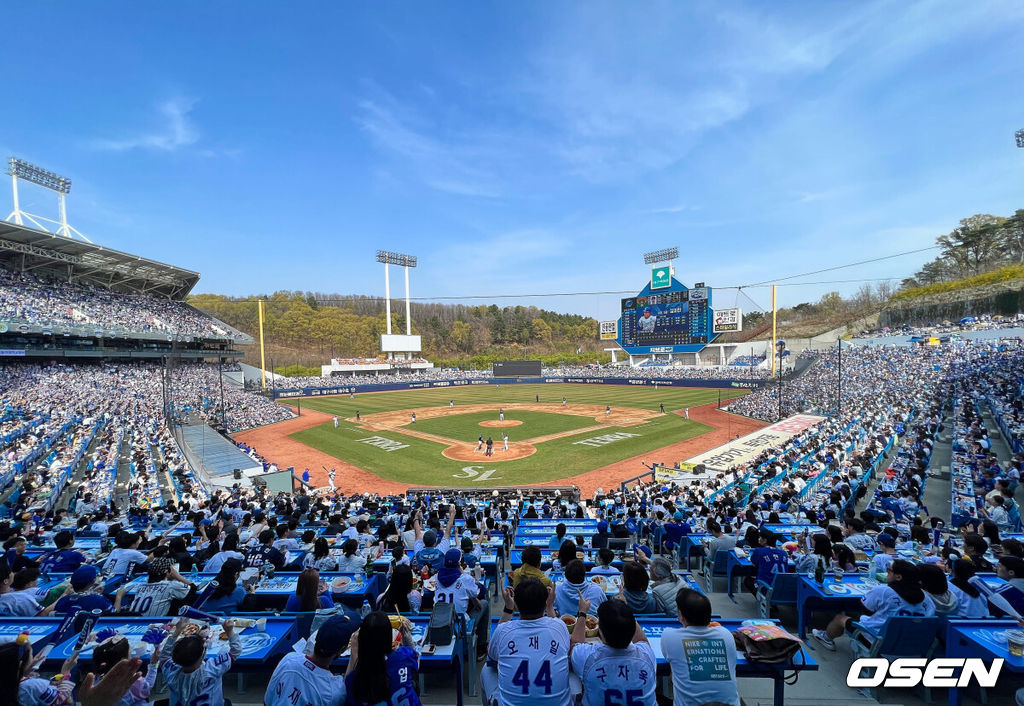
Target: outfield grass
<point x="466" y="427"/>
<point x="420" y="461"/>
<point x="643" y="397"/>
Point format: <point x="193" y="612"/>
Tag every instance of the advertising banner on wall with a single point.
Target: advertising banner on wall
<point x="726" y="320"/>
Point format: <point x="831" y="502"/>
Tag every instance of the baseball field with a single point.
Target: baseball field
<point x="446" y="445"/>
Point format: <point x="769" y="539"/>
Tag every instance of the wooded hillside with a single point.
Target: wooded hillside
<point x="309" y="328"/>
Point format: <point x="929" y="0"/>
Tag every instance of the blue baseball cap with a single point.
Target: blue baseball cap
<point x="333" y="636"/>
<point x="84" y="576"/>
<point x="602" y="526"/>
<point x="452" y="558"/>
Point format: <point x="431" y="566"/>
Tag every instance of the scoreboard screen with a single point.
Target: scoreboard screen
<point x="670" y="319"/>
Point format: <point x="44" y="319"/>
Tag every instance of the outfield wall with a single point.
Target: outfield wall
<point x="284" y="393"/>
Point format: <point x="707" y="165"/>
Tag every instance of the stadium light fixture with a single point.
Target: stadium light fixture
<point x="20" y="169"/>
<point x="665" y="255"/>
<point x="1019" y="136"/>
<point x="393" y="258"/>
<point x="37" y="175"/>
<point x="387" y="257"/>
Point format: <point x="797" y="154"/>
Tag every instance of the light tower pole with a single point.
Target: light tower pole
<point x="388" y="257"/>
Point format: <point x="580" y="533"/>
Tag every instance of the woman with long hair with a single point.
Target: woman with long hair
<point x="902" y="595"/>
<point x="228" y="595"/>
<point x="566" y="553"/>
<point x="969" y="601"/>
<point x="819" y="553"/>
<point x="310" y="593"/>
<point x="351" y="560"/>
<point x="320" y="558"/>
<point x="377" y="672"/>
<point x="400" y="596"/>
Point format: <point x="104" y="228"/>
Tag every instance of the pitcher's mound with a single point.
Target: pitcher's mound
<point x="500" y="423"/>
<point x="467" y="452"/>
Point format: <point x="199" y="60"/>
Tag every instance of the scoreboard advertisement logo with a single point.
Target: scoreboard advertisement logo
<point x="727" y="320"/>
<point x="609" y="330"/>
<point x="661" y="277"/>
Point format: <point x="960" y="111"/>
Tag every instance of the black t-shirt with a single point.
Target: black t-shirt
<point x="184" y="560"/>
<point x="265" y="555"/>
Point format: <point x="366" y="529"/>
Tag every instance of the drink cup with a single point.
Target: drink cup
<point x="1015" y="641"/>
<point x="261" y="625"/>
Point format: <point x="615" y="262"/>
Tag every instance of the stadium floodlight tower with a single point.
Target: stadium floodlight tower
<point x="20" y="169"/>
<point x="1019" y="137"/>
<point x="389" y="343"/>
<point x="663" y="255"/>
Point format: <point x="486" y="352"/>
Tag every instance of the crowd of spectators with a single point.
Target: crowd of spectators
<point x="674" y="372"/>
<point x="39" y="301"/>
<point x="51" y="414"/>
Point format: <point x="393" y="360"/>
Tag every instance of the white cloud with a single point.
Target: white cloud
<point x="175" y="131"/>
<point x="678" y="208"/>
<point x="449" y="165"/>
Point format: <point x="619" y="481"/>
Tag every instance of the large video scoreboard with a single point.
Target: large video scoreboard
<point x="674" y="321"/>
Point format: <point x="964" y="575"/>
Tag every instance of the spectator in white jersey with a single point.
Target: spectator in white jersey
<point x="154" y="598"/>
<point x="622" y="669"/>
<point x="307" y="679"/>
<point x="193" y="679"/>
<point x="532" y="653"/>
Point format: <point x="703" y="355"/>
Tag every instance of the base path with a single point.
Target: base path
<point x="402" y="419"/>
<point x="272" y="443"/>
<point x="726" y="427"/>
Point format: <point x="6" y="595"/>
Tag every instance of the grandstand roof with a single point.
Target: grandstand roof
<point x="28" y="249"/>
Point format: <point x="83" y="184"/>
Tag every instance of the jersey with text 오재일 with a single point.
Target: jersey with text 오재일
<point x="533" y="662"/>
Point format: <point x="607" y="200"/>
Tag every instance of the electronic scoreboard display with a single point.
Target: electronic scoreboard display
<point x="669" y="319"/>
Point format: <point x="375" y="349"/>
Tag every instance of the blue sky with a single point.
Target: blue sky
<point x="519" y="147"/>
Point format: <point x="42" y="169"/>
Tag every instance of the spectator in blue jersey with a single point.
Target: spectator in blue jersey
<point x="556" y="540"/>
<point x="470" y="552"/>
<point x="16" y="557"/>
<point x="310" y="593"/>
<point x="265" y="552"/>
<point x="228" y="595"/>
<point x="84" y="598"/>
<point x="379" y="673"/>
<point x="600" y="540"/>
<point x="575" y="585"/>
<point x="768" y="559"/>
<point x="430" y="555"/>
<point x="634" y="588"/>
<point x="63" y="560"/>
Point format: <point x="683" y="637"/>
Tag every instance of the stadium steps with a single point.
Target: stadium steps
<point x="123" y="470"/>
<point x="76" y="478"/>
